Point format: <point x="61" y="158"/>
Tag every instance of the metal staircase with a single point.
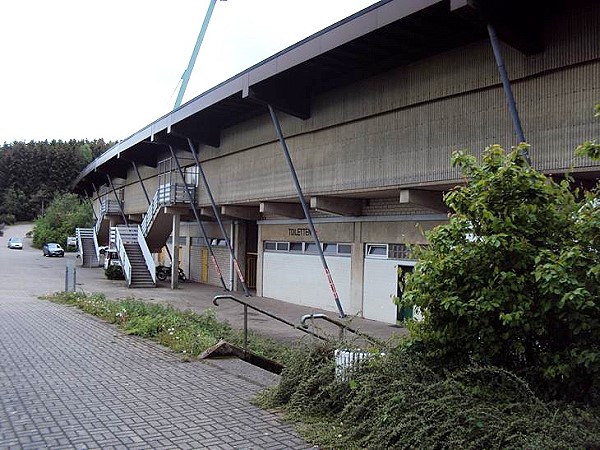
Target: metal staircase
<point x="157" y="226"/>
<point x="107" y="208"/>
<point x="136" y="260"/>
<point x="87" y="247"/>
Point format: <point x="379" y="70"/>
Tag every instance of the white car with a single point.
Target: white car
<point x="16" y="243"/>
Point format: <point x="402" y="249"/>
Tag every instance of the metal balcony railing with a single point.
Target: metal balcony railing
<point x="168" y="194"/>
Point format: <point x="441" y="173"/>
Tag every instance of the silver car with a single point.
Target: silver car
<point x="16" y="243"/>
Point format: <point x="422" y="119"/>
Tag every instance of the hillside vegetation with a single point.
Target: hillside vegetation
<point x="33" y="173"/>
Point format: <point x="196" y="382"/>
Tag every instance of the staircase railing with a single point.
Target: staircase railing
<point x="106" y="207"/>
<point x="120" y="242"/>
<point x="79" y="244"/>
<point x="97" y="248"/>
<point x="147" y="255"/>
<point x="166" y="194"/>
<point x="101" y="213"/>
<point x="81" y="233"/>
<point x="149" y="217"/>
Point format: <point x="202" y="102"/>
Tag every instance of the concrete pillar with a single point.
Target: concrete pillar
<point x="175" y="252"/>
<point x="238" y="240"/>
<point x="357" y="272"/>
<point x="259" y="264"/>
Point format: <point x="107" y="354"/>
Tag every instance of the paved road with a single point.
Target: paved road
<point x="69" y="380"/>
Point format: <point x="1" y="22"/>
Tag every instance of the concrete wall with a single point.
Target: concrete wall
<point x="356" y="233"/>
<point x="399" y="129"/>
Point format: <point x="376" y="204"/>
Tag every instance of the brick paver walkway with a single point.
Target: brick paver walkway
<point x="69" y="380"/>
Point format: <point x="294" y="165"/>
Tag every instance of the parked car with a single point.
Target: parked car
<point x="53" y="249"/>
<point x="16" y="243"/>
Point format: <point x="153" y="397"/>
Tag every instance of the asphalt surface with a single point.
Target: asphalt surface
<point x="70" y="381"/>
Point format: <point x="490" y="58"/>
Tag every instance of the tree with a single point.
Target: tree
<point x="37" y="171"/>
<point x="65" y="213"/>
<point x="513" y="280"/>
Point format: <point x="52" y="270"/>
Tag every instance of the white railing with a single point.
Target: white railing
<point x="149" y="217"/>
<point x="166" y="194"/>
<point x="99" y="220"/>
<point x="97" y="248"/>
<point x="87" y="232"/>
<point x="147" y="255"/>
<point x="106" y="207"/>
<point x="79" y="244"/>
<point x="120" y="247"/>
<point x="347" y="362"/>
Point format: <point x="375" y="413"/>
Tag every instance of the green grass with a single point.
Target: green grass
<point x="185" y="332"/>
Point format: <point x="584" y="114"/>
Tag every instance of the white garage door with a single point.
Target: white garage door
<point x="380" y="286"/>
<point x="300" y="279"/>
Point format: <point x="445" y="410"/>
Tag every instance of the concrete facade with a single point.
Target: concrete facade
<point x="369" y="144"/>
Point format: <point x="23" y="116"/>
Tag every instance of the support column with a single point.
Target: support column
<point x="175" y="251"/>
<point x="357" y="270"/>
<point x="239" y="235"/>
<point x="141" y="181"/>
<point x="218" y="217"/>
<point x="198" y="221"/>
<point x="259" y="263"/>
<point x="311" y="226"/>
<point x="508" y="93"/>
<point x="117" y="199"/>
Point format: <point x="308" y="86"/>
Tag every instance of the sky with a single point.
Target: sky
<point x="91" y="69"/>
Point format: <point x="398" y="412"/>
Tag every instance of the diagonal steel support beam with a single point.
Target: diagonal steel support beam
<point x="137" y="172"/>
<point x="218" y="217"/>
<point x="311" y="226"/>
<point x="118" y="200"/>
<point x="508" y="93"/>
<point x="98" y="197"/>
<point x="198" y="220"/>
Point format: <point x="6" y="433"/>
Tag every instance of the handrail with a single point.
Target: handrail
<point x="147" y="255"/>
<point x="79" y="244"/>
<point x="81" y="233"/>
<point x="145" y="226"/>
<point x="342" y="327"/>
<point x="101" y="213"/>
<point x="165" y="195"/>
<point x="268" y="314"/>
<point x="96" y="247"/>
<point x="125" y="264"/>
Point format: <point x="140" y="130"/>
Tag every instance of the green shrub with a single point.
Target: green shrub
<point x="513" y="280"/>
<point x="398" y="401"/>
<point x="65" y="213"/>
<point x="114" y="272"/>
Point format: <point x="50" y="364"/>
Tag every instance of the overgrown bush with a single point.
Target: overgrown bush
<point x="398" y="401"/>
<point x="513" y="280"/>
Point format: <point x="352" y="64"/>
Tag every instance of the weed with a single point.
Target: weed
<point x="185" y="332"/>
